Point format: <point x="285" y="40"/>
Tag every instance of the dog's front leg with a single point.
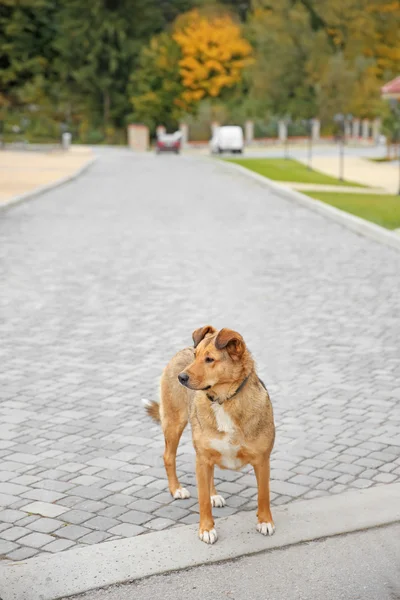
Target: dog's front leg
<point x="265" y="523"/>
<point x="204" y="472"/>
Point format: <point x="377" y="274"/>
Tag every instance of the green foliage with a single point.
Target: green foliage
<point x="281" y="169"/>
<point x="155" y="84"/>
<point x="383" y="210"/>
<point x="94" y="65"/>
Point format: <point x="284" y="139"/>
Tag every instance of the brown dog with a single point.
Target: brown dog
<point x="215" y="385"/>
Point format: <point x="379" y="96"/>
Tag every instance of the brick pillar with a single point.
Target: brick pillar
<point x="315" y="130"/>
<point x="356" y="129"/>
<point x="282" y="131"/>
<point x="249" y="132"/>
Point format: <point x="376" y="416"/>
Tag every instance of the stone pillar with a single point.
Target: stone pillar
<point x="214" y="127"/>
<point x="138" y="137"/>
<point x="160" y="130"/>
<point x="184" y="129"/>
<point x="282" y="131"/>
<point x="376" y="130"/>
<point x="365" y="129"/>
<point x="315" y="130"/>
<point x="249" y="132"/>
<point x="356" y="129"/>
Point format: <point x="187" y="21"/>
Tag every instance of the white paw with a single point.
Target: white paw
<point x="209" y="537"/>
<point x="217" y="501"/>
<point x="181" y="494"/>
<point x="266" y="528"/>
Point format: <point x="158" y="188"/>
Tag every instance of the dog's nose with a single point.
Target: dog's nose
<point x="183" y="378"/>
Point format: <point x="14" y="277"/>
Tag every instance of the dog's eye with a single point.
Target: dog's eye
<point x="209" y="359"/>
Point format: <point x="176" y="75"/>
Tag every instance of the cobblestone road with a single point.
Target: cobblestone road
<point x="104" y="279"/>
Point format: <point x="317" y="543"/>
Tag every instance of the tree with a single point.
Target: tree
<point x="155" y="86"/>
<point x="214" y="54"/>
<point x="283" y="40"/>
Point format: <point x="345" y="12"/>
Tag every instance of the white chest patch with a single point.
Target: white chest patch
<point x="224" y="422"/>
<point x="224" y="446"/>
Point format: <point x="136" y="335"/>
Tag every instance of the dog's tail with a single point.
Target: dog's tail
<point x="153" y="409"/>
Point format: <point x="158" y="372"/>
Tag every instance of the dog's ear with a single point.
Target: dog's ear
<point x="232" y="341"/>
<point x="201" y="333"/>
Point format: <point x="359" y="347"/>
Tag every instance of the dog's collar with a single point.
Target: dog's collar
<point x="241" y="386"/>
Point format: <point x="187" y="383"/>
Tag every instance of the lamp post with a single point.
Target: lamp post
<point x="395" y="107"/>
<point x="287" y="121"/>
<point x="308" y="123"/>
<point x="342" y="120"/>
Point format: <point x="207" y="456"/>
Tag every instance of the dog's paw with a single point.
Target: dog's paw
<point x="209" y="537"/>
<point x="266" y="528"/>
<point x="217" y="501"/>
<point x="181" y="494"/>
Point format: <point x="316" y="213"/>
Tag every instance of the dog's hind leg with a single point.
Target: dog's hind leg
<point x="216" y="500"/>
<point x="172" y="433"/>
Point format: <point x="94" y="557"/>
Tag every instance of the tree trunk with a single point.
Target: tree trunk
<point x="106" y="108"/>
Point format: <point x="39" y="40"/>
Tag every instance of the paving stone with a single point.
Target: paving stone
<point x="27" y="520"/>
<point x="188" y="520"/>
<point x="76" y="516"/>
<point x="91" y="493"/>
<point x="13" y="488"/>
<point x="362" y="483"/>
<point x="71" y="532"/>
<point x="94" y="538"/>
<point x="6" y="547"/>
<point x="385" y="477"/>
<point x="13" y="533"/>
<point x="306" y="480"/>
<point x="135" y="517"/>
<point x="101" y="523"/>
<point x="119" y="499"/>
<point x="7" y="499"/>
<point x="22" y="553"/>
<point x="35" y="540"/>
<point x="230" y="487"/>
<point x="159" y="524"/>
<point x="59" y="545"/>
<point x="171" y="512"/>
<point x="127" y="530"/>
<point x="288" y="489"/>
<point x="350" y="469"/>
<point x="45" y="509"/>
<point x="45" y="525"/>
<point x="43" y="495"/>
<point x="90" y="506"/>
<point x="87" y="480"/>
<point x="113" y="511"/>
<point x="53" y="485"/>
<point x="145" y="505"/>
<point x="10" y="516"/>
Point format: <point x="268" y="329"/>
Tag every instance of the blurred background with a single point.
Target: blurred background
<point x="92" y="68"/>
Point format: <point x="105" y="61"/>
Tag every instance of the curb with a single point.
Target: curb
<point x="38" y="191"/>
<point x="53" y="577"/>
<point x="355" y="224"/>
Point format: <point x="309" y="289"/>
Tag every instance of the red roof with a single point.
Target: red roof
<point x="392" y="88"/>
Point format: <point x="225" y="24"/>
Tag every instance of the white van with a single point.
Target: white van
<point x="227" y="139"/>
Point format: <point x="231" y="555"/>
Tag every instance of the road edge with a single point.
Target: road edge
<point x="53" y="577"/>
<point x="39" y="191"/>
<point x="355" y="224"/>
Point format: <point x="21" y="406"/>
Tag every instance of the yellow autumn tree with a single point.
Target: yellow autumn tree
<point x="214" y="54"/>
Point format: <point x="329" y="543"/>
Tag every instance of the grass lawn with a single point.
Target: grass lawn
<point x="383" y="210"/>
<point x="281" y="169"/>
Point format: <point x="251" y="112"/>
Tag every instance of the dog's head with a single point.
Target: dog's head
<point x="219" y="357"/>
